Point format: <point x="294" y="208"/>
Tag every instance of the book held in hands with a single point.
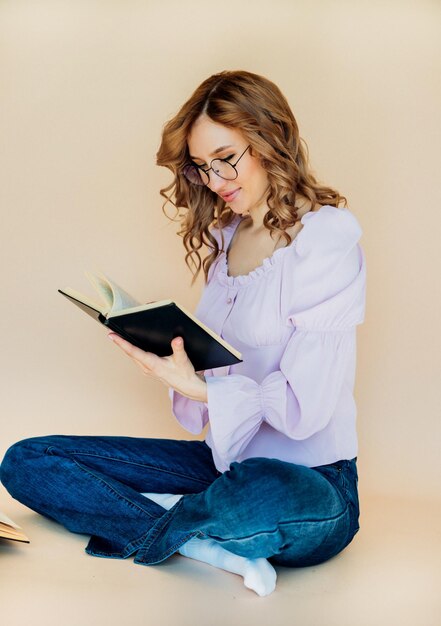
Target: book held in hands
<point x="152" y="326"/>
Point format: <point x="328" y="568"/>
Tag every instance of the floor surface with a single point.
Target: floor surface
<point x="389" y="575"/>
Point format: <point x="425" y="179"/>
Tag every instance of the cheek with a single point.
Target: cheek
<point x="255" y="177"/>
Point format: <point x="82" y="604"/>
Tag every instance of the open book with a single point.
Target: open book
<point x="152" y="326"/>
<point x="10" y="530"/>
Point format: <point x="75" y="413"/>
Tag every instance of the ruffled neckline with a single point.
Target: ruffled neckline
<point x="267" y="264"/>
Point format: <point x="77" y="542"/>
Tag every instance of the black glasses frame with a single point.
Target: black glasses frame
<point x="198" y="167"/>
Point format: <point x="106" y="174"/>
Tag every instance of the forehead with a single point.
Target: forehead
<point x="206" y="136"/>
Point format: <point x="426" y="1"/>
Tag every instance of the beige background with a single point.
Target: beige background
<point x="85" y="89"/>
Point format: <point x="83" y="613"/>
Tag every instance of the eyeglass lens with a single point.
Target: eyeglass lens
<point x="198" y="177"/>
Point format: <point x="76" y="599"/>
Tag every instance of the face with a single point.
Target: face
<point x="246" y="194"/>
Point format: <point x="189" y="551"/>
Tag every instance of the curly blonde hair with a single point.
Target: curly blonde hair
<point x="255" y="106"/>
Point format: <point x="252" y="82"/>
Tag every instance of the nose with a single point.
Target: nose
<point x="216" y="183"/>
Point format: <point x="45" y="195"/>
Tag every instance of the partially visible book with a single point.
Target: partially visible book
<point x="152" y="326"/>
<point x="10" y="530"/>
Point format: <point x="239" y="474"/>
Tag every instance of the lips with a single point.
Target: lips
<point x="230" y="196"/>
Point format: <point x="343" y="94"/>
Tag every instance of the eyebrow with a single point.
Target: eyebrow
<point x="215" y="152"/>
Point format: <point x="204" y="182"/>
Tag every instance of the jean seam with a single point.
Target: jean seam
<point x="143" y="465"/>
<point x="156" y="531"/>
<point x="339" y="485"/>
<point x="129" y="549"/>
<point x="127" y="500"/>
<point x="171" y="549"/>
<point x="328" y="520"/>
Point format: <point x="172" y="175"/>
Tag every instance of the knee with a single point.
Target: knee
<point x="257" y="487"/>
<point x="282" y="483"/>
<point x="278" y="490"/>
<point x="19" y="458"/>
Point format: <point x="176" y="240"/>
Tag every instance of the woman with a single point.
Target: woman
<point x="275" y="481"/>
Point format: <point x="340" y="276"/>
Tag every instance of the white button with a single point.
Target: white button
<point x="230" y="300"/>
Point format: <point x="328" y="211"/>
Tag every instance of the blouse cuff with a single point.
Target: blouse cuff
<point x="191" y="414"/>
<point x="237" y="406"/>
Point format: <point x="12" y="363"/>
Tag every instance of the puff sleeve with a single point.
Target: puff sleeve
<point x="191" y="414"/>
<point x="323" y="300"/>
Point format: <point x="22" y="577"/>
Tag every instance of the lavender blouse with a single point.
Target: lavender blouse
<point x="294" y="320"/>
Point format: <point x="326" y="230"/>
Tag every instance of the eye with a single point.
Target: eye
<point x="228" y="158"/>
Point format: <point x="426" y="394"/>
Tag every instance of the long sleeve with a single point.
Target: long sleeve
<point x="191" y="414"/>
<point x="300" y="397"/>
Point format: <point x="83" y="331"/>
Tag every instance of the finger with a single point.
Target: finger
<point x="146" y="359"/>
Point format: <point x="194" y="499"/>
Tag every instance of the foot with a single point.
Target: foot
<point x="258" y="574"/>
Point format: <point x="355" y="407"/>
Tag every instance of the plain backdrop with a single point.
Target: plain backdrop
<point x="85" y="88"/>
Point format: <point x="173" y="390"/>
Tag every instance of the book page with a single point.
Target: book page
<point x="142" y="307"/>
<point x="5" y="520"/>
<point x="102" y="287"/>
<point x="115" y="297"/>
<point x="11" y="530"/>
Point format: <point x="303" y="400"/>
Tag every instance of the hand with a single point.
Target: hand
<point x="174" y="371"/>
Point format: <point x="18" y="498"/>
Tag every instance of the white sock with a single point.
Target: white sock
<point x="258" y="574"/>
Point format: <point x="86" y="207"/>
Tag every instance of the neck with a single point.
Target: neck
<point x="254" y="217"/>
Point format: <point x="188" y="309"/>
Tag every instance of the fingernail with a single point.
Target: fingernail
<point x="111" y="337"/>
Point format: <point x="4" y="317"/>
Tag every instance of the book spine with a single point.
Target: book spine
<point x="114" y="328"/>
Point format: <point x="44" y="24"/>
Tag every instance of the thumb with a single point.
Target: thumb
<point x="178" y="346"/>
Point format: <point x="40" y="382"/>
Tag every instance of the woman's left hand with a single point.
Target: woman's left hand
<point x="174" y="371"/>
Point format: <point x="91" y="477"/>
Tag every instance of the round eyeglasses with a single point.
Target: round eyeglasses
<point x="221" y="167"/>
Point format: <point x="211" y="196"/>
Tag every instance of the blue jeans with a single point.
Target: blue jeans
<point x="290" y="514"/>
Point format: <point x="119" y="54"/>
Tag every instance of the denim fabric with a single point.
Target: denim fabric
<point x="291" y="514"/>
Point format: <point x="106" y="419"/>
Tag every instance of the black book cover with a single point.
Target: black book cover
<point x="153" y="329"/>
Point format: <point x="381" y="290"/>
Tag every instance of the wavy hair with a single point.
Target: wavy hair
<point x="255" y="106"/>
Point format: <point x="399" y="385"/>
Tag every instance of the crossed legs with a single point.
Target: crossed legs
<point x="259" y="509"/>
